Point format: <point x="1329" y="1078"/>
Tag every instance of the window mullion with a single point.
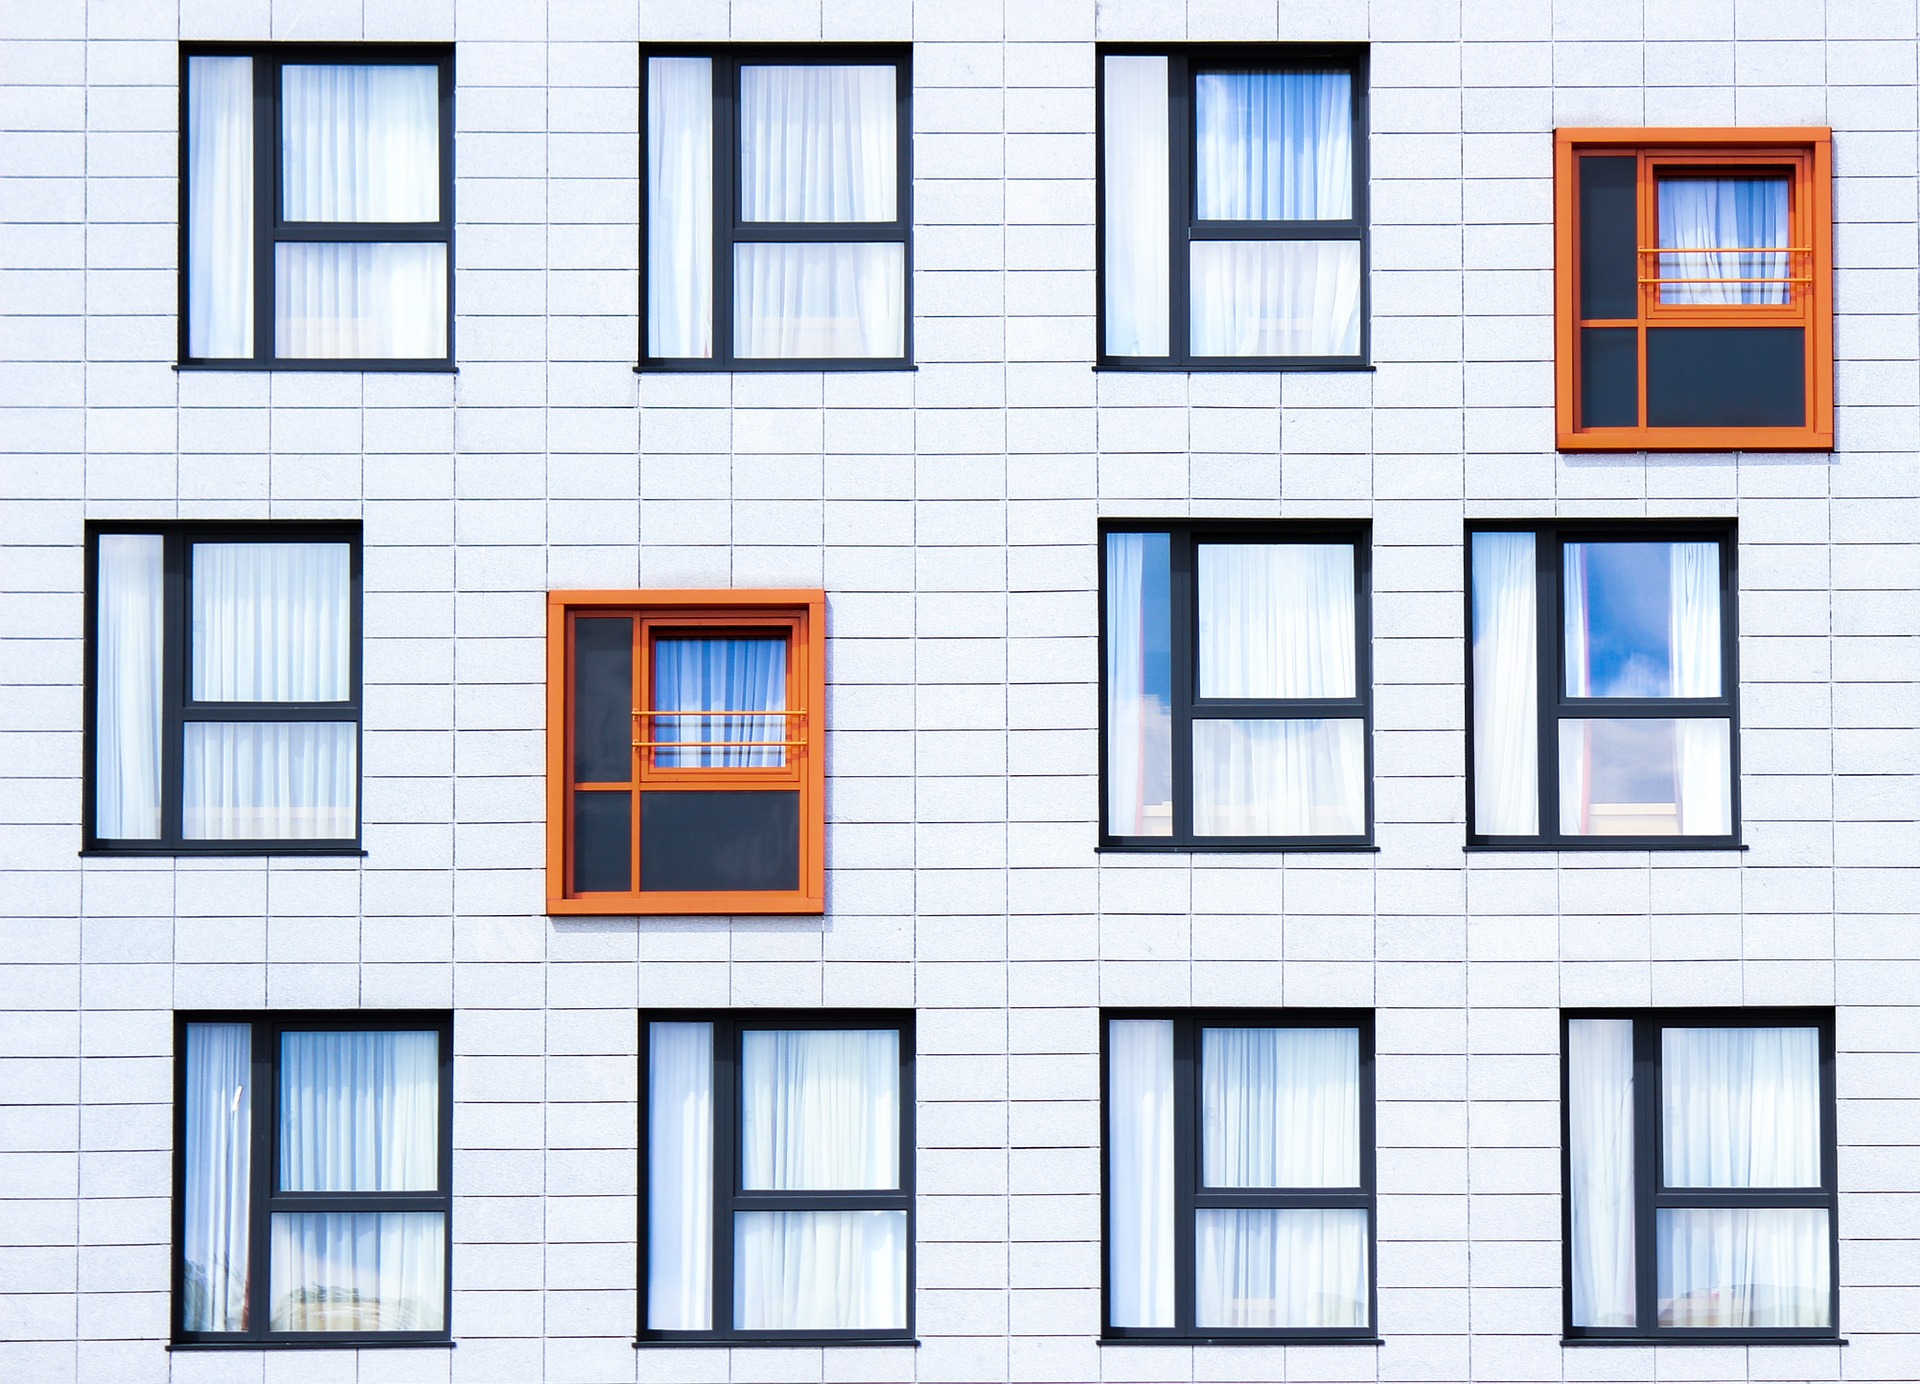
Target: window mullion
<point x="1179" y="206"/>
<point x="1186" y="1169"/>
<point x="725" y="211"/>
<point x="173" y="678"/>
<point x="1548" y="632"/>
<point x="726" y="1165"/>
<point x="264" y="1100"/>
<point x="1647" y="1172"/>
<point x="1182" y="658"/>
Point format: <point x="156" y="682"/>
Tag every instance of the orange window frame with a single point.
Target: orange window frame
<point x="801" y="617"/>
<point x="1807" y="154"/>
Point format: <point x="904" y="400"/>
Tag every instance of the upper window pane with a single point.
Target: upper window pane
<point x="1273" y="146"/>
<point x="1276" y="620"/>
<point x="1727" y="228"/>
<point x="360" y="143"/>
<point x="1740" y="1107"/>
<point x="818" y="143"/>
<point x="1280" y="1107"/>
<point x="1642" y="619"/>
<point x="820" y="1109"/>
<point x="715" y="686"/>
<point x="359" y="1111"/>
<point x="272" y="622"/>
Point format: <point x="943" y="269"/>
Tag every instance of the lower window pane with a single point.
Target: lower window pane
<point x="820" y="1270"/>
<point x="1276" y="298"/>
<point x="819" y="301"/>
<point x="360" y="301"/>
<point x="270" y="781"/>
<point x="359" y="1271"/>
<point x="1646" y="777"/>
<point x="1274" y="1268"/>
<point x="1744" y="1267"/>
<point x="1279" y="778"/>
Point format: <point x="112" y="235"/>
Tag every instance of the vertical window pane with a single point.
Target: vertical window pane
<point x="603" y="720"/>
<point x="680" y="1177"/>
<point x="219" y="207"/>
<point x="1276" y="620"/>
<point x="1140" y="1186"/>
<point x="1744" y="1266"/>
<point x="1280" y="1268"/>
<point x="1722" y="228"/>
<point x="270" y="780"/>
<point x="1642" y="619"/>
<point x="820" y="1270"/>
<point x="714" y="677"/>
<point x="1279" y="778"/>
<point x="1506" y="747"/>
<point x="1273" y="146"/>
<point x="680" y="207"/>
<point x="360" y="301"/>
<point x="1600" y="1156"/>
<point x="1139" y="686"/>
<point x="1740" y="1107"/>
<point x="271" y="622"/>
<point x="820" y="1109"/>
<point x="359" y="1271"/>
<point x="821" y="301"/>
<point x="218" y="1136"/>
<point x="818" y="143"/>
<point x="1645" y="777"/>
<point x="1280" y="1107"/>
<point x="129" y="614"/>
<point x="359" y="1112"/>
<point x="360" y="143"/>
<point x="1275" y="297"/>
<point x="1135" y="174"/>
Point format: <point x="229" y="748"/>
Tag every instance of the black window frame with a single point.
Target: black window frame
<point x="177" y="706"/>
<point x="1187" y="706"/>
<point x="1183" y="59"/>
<point x="1190" y="1196"/>
<point x="1651" y="1194"/>
<point x="729" y="1196"/>
<point x="271" y="229"/>
<point x="730" y="230"/>
<point x="1554" y="705"/>
<point x="264" y="1198"/>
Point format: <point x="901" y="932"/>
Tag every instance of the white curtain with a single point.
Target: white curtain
<point x="359" y="1271"/>
<point x="219" y="1135"/>
<point x="270" y="780"/>
<point x="1577" y="648"/>
<point x="680" y="1177"/>
<point x="219" y="207"/>
<point x="1279" y="778"/>
<point x="818" y="143"/>
<point x="360" y="301"/>
<point x="1600" y="1156"/>
<point x="1702" y="775"/>
<point x="1744" y="1266"/>
<point x="360" y="143"/>
<point x="1740" y="1107"/>
<point x="680" y="207"/>
<point x="1275" y="297"/>
<point x="1506" y="793"/>
<point x="1280" y="1107"/>
<point x="359" y="1111"/>
<point x="1276" y="620"/>
<point x="819" y="301"/>
<point x="820" y="1270"/>
<point x="271" y="622"/>
<point x="1140" y="1189"/>
<point x="1718" y="223"/>
<point x="820" y="1109"/>
<point x="1135" y="173"/>
<point x="129" y="609"/>
<point x="720" y="676"/>
<point x="1280" y="1268"/>
<point x="1139" y="721"/>
<point x="1273" y="146"/>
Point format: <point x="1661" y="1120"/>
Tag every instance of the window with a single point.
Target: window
<point x="1239" y="1174"/>
<point x="316" y="208"/>
<point x="1602" y="676"/>
<point x="1693" y="300"/>
<point x="223" y="706"/>
<point x="1256" y="157"/>
<point x="778" y="188"/>
<point x="685" y="754"/>
<point x="779" y="1171"/>
<point x="312" y="1161"/>
<point x="1700" y="1174"/>
<point x="1237" y="678"/>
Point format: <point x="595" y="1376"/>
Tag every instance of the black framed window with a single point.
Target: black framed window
<point x="223" y="688"/>
<point x="1233" y="207"/>
<point x="313" y="1159"/>
<point x="1238" y="1183"/>
<point x="316" y="207"/>
<point x="1237" y="703"/>
<point x="1602" y="674"/>
<point x="778" y="1203"/>
<point x="1699" y="1167"/>
<point x="778" y="189"/>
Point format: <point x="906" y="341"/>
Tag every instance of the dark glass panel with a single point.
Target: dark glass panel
<point x="1726" y="377"/>
<point x="603" y="699"/>
<point x="1609" y="377"/>
<point x="1609" y="244"/>
<point x="602" y="842"/>
<point x="725" y="840"/>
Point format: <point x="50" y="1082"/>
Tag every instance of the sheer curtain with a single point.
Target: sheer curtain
<point x="129" y="610"/>
<point x="1600" y="1156"/>
<point x="269" y="780"/>
<point x="359" y="1271"/>
<point x="1136" y="176"/>
<point x="1703" y="777"/>
<point x="680" y="207"/>
<point x="1140" y="1189"/>
<point x="718" y="676"/>
<point x="1278" y="1268"/>
<point x="360" y="301"/>
<point x="1506" y="793"/>
<point x="1279" y="778"/>
<point x="680" y="1177"/>
<point x="1276" y="620"/>
<point x="1139" y="724"/>
<point x="219" y="207"/>
<point x="1718" y="224"/>
<point x="218" y="1136"/>
<point x="1744" y="1266"/>
<point x="823" y="301"/>
<point x="1275" y="297"/>
<point x="1280" y="1107"/>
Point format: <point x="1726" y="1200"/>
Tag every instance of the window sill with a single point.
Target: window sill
<point x="1242" y="1341"/>
<point x="352" y="1343"/>
<point x="776" y="367"/>
<point x="1263" y="366"/>
<point x="338" y="367"/>
<point x="1664" y="843"/>
<point x="1257" y="848"/>
<point x="198" y="853"/>
<point x="1731" y="1339"/>
<point x="807" y="1342"/>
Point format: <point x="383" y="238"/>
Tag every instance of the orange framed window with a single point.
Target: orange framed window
<point x="1693" y="300"/>
<point x="686" y="768"/>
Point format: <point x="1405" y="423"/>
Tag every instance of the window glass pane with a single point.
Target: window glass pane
<point x="1642" y="619"/>
<point x="1600" y="1156"/>
<point x="1140" y="1186"/>
<point x="1724" y="227"/>
<point x="361" y="301"/>
<point x="1275" y="297"/>
<point x="820" y="1109"/>
<point x="219" y="207"/>
<point x="130" y="617"/>
<point x="822" y="301"/>
<point x="1139" y="686"/>
<point x="1280" y="1268"/>
<point x="680" y="207"/>
<point x="818" y="143"/>
<point x="1136" y="177"/>
<point x="215" y="1226"/>
<point x="1273" y="146"/>
<point x="603" y="842"/>
<point x="1744" y="1266"/>
<point x="1740" y="1107"/>
<point x="1506" y="746"/>
<point x="359" y="1112"/>
<point x="1279" y="778"/>
<point x="1276" y="620"/>
<point x="680" y="1177"/>
<point x="603" y="721"/>
<point x="359" y="1271"/>
<point x="820" y="1270"/>
<point x="1280" y="1107"/>
<point x="1645" y="777"/>
<point x="360" y="143"/>
<point x="272" y="622"/>
<point x="725" y="680"/>
<point x="270" y="780"/>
